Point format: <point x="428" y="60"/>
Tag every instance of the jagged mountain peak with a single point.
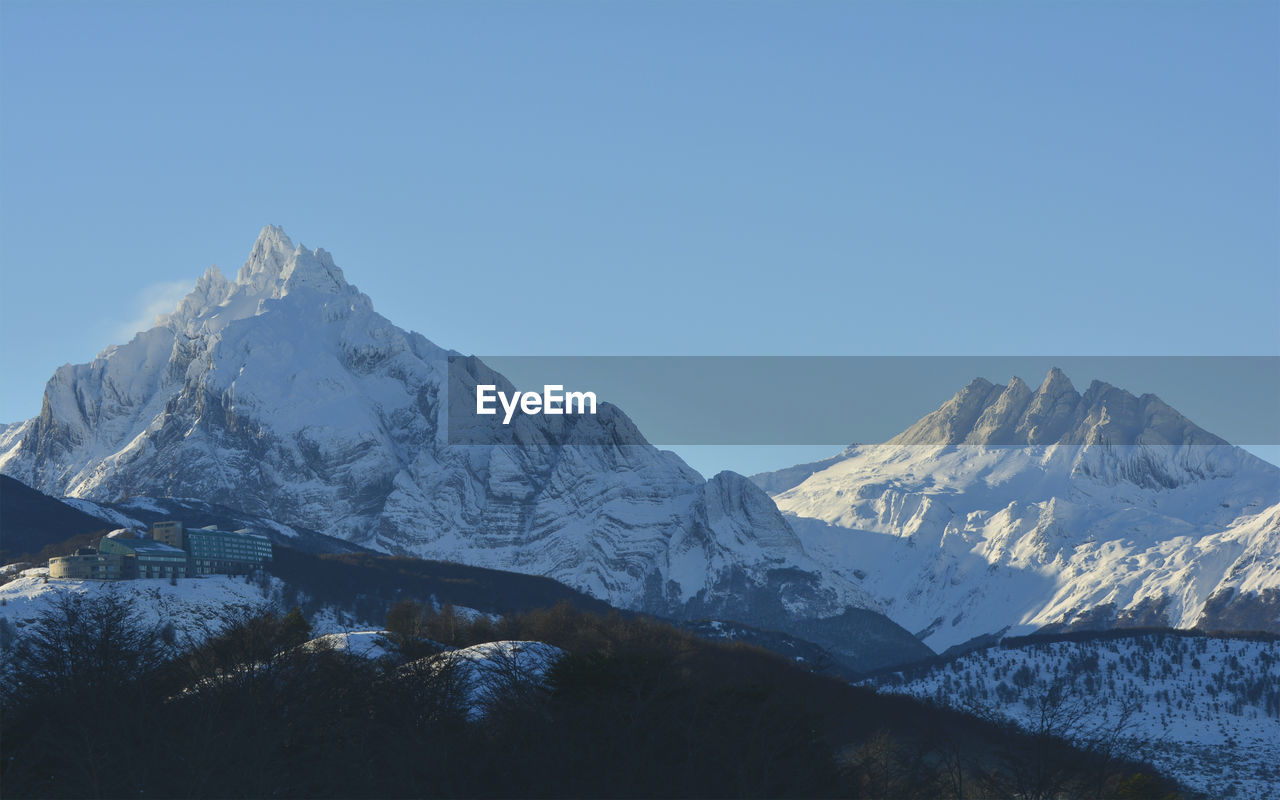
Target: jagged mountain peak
<point x="211" y="289"/>
<point x="1056" y="383"/>
<point x="211" y="277"/>
<point x="953" y="421"/>
<point x="984" y="413"/>
<point x="267" y="259"/>
<point x="1115" y="416"/>
<point x="275" y="267"/>
<point x="1022" y="509"/>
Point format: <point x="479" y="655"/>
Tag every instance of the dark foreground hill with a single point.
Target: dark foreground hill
<point x="636" y="708"/>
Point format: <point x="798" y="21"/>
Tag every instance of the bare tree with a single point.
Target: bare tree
<point x="82" y="644"/>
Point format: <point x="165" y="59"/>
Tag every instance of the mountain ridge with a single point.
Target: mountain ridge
<point x="985" y="413"/>
<point x="1012" y="510"/>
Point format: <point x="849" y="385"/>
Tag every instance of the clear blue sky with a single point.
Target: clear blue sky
<point x="655" y="177"/>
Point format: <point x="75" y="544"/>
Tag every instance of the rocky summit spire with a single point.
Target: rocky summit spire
<point x="1051" y="412"/>
<point x="951" y="423"/>
<point x="267" y="259"/>
<point x="1056" y="384"/>
<point x="276" y="267"/>
<point x="312" y="269"/>
<point x="998" y="420"/>
<point x="210" y="290"/>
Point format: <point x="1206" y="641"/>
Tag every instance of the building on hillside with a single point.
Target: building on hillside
<point x="146" y="558"/>
<point x="88" y="563"/>
<point x="211" y="551"/>
<point x="171" y="551"/>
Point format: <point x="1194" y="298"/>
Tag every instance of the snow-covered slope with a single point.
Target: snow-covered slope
<point x="283" y="394"/>
<point x="484" y="672"/>
<point x="1204" y="710"/>
<point x="492" y="671"/>
<point x="362" y="644"/>
<point x="196" y="607"/>
<point x="1013" y="510"/>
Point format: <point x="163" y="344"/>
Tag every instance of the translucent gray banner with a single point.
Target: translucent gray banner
<point x="819" y="400"/>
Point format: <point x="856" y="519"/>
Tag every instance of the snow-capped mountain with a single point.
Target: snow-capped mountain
<point x="285" y="395"/>
<point x="1009" y="509"/>
<point x="1204" y="710"/>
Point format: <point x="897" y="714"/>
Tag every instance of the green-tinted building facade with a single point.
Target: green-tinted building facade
<point x="146" y="558"/>
<point x="214" y="552"/>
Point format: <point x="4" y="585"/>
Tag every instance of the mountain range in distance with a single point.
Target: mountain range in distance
<point x="283" y="395"/>
<point x="1109" y="510"/>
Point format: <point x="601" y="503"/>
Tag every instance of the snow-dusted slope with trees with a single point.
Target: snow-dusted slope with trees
<point x="195" y="608"/>
<point x="283" y="394"/>
<point x="1204" y="710"/>
<point x="1011" y="510"/>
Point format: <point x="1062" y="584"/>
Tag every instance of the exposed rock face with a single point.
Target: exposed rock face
<point x="1008" y="509"/>
<point x="283" y="394"/>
